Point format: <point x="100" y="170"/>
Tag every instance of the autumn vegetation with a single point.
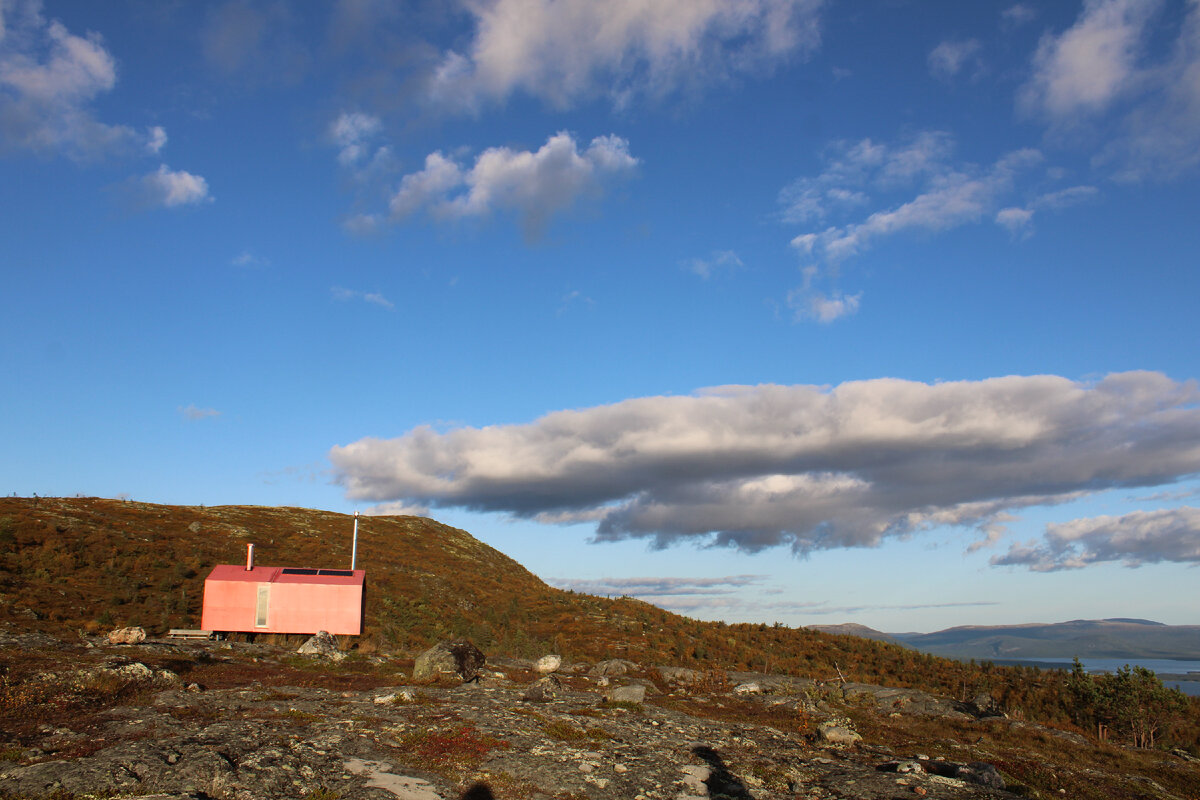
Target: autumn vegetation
<point x="87" y="564"/>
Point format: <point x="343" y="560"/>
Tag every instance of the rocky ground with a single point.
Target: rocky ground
<point x="220" y="720"/>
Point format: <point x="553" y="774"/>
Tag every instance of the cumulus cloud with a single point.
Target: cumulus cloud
<point x="1131" y="76"/>
<point x="535" y="185"/>
<point x="342" y="294"/>
<point x="193" y="414"/>
<point x="954" y="56"/>
<point x="803" y="466"/>
<point x="564" y="50"/>
<point x="1137" y="538"/>
<point x="49" y="78"/>
<point x="169" y="188"/>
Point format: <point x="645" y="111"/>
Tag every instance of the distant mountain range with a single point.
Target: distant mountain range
<point x="1086" y="638"/>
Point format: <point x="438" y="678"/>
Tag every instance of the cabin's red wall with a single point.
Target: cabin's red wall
<point x="298" y="603"/>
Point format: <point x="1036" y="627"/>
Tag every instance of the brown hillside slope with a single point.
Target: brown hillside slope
<point x="94" y="564"/>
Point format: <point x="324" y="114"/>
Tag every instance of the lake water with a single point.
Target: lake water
<point x="1160" y="666"/>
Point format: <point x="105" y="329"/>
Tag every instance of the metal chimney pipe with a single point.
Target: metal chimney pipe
<point x="249" y="557"/>
<point x="354" y="546"/>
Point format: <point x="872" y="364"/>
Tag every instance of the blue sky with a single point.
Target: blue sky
<point x="805" y="311"/>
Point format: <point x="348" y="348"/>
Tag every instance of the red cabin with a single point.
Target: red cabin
<point x="252" y="599"/>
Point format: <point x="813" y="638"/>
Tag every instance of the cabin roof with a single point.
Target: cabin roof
<point x="327" y="577"/>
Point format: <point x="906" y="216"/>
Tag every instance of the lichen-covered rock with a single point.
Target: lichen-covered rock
<point x="547" y="664"/>
<point x="457" y="657"/>
<point x="127" y="636"/>
<point x="833" y="732"/>
<point x="613" y="667"/>
<point x="679" y="675"/>
<point x="543" y="690"/>
<point x="635" y="693"/>
<point x="323" y="645"/>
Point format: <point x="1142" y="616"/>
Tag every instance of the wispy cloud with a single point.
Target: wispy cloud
<point x="344" y="295"/>
<point x="193" y="413"/>
<point x="249" y="260"/>
<point x="397" y="509"/>
<point x="803" y="466"/>
<point x="256" y="43"/>
<point x="658" y="587"/>
<point x="573" y="298"/>
<point x="1136" y="538"/>
<point x="719" y="261"/>
<point x="954" y="57"/>
<point x="565" y="50"/>
<point x="807" y="303"/>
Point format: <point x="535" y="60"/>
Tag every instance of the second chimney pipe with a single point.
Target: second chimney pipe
<point x="249" y="557"/>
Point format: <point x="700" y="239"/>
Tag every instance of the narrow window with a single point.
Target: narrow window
<point x="264" y="599"/>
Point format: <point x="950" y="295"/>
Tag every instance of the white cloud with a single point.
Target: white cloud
<point x="193" y="414"/>
<point x="534" y="185"/>
<point x="1064" y="198"/>
<point x="952" y="197"/>
<point x="855" y="169"/>
<point x="813" y="305"/>
<point x="156" y="140"/>
<point x="342" y="294"/>
<point x="170" y="188"/>
<point x="249" y="260"/>
<point x="1090" y="65"/>
<point x="397" y="510"/>
<point x="809" y="467"/>
<point x="351" y="133"/>
<point x="1136" y="538"/>
<point x="1016" y="220"/>
<point x="564" y="50"/>
<point x="1130" y="76"/>
<point x="719" y="261"/>
<point x="49" y="78"/>
<point x="953" y="56"/>
<point x="651" y="588"/>
<point x="1017" y="15"/>
<point x="1019" y="221"/>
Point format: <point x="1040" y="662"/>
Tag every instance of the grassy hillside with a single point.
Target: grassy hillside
<point x="70" y="564"/>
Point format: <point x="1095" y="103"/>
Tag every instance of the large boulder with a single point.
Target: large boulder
<point x="679" y="676"/>
<point x="547" y="664"/>
<point x="127" y="636"/>
<point x="543" y="690"/>
<point x="613" y="666"/>
<point x="452" y="657"/>
<point x="835" y="733"/>
<point x="323" y="645"/>
<point x="634" y="693"/>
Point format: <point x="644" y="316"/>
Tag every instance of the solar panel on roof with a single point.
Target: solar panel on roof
<point x="341" y="573"/>
<point x="295" y="571"/>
